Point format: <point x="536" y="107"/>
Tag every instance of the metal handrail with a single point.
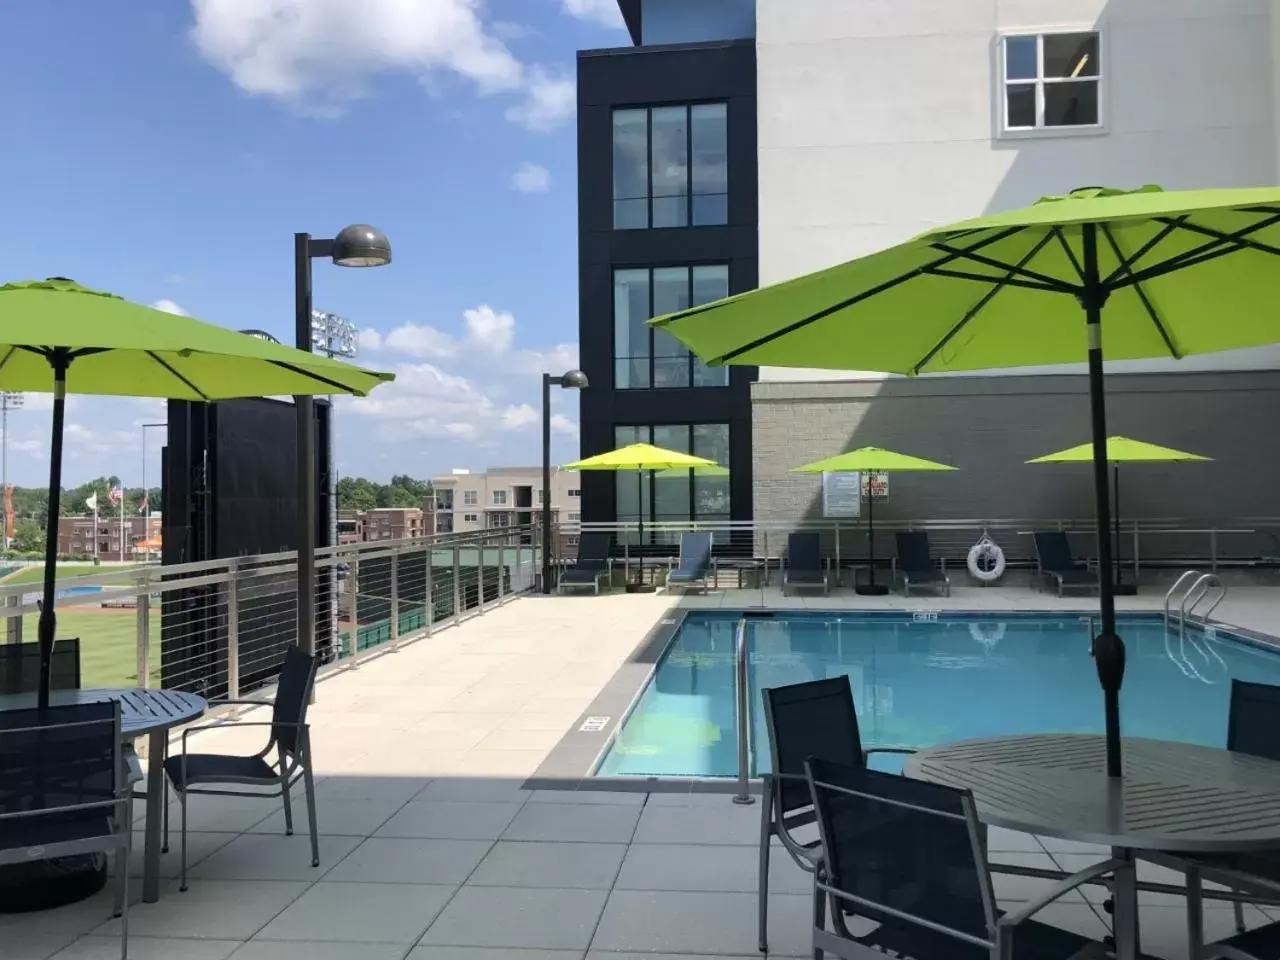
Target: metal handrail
<point x="1203" y="585"/>
<point x="1168" y="597"/>
<point x="742" y="713"/>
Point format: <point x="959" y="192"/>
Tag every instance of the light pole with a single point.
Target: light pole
<point x="146" y="492"/>
<point x="9" y="400"/>
<point x="570" y="380"/>
<point x="358" y="245"/>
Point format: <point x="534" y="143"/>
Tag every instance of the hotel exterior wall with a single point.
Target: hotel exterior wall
<point x="988" y="427"/>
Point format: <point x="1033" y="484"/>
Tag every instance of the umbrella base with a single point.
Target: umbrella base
<point x="46" y="884"/>
<point x="641" y="588"/>
<point x="871" y="590"/>
<point x="1125" y="589"/>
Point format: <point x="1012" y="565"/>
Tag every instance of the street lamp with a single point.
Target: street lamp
<point x="146" y="491"/>
<point x="359" y="245"/>
<point x="570" y="380"/>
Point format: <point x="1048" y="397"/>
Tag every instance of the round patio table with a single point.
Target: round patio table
<point x="143" y="713"/>
<point x="1173" y="797"/>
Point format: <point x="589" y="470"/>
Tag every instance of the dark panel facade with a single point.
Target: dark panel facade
<point x="654" y="77"/>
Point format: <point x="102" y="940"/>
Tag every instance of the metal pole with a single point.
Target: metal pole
<point x="48" y="624"/>
<point x="144" y="630"/>
<point x="457" y="587"/>
<point x="742" y="714"/>
<point x="233" y="631"/>
<point x="546" y="483"/>
<point x="4" y="466"/>
<point x="306" y="624"/>
<point x="395" y="596"/>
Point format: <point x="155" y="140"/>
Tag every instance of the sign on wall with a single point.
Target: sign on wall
<point x="875" y="485"/>
<point x="841" y="495"/>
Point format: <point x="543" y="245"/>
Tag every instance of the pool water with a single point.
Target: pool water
<point x="920" y="682"/>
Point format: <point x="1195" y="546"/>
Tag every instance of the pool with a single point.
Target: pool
<point x="919" y="681"/>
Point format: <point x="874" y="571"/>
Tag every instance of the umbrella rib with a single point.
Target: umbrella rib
<point x="1070" y="254"/>
<point x="1051" y="283"/>
<point x="342" y="387"/>
<point x="1126" y="264"/>
<point x="8" y="356"/>
<point x="1219" y="246"/>
<point x="1006" y="281"/>
<point x="191" y="386"/>
<point x="1142" y="294"/>
<point x="1239" y="239"/>
<point x="975" y="310"/>
<point x="851" y="301"/>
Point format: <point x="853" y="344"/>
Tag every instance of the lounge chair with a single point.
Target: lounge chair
<point x="804" y="568"/>
<point x="915" y="567"/>
<point x="906" y="854"/>
<point x="695" y="567"/>
<point x="1055" y="563"/>
<point x="591" y="566"/>
<point x="812" y="719"/>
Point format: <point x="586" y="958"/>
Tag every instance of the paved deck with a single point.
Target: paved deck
<point x="433" y="850"/>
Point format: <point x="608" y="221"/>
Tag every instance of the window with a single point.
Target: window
<point x="499" y="498"/>
<point x="670" y="166"/>
<point x="471" y="518"/>
<point x="678" y="498"/>
<point x="1051" y="81"/>
<point x="575" y="492"/>
<point x="645" y="358"/>
<point x="470" y="498"/>
<point x="499" y="520"/>
<point x="542" y="496"/>
<point x="574" y="517"/>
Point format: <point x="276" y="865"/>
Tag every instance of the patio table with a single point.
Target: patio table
<point x="143" y="713"/>
<point x="1173" y="797"/>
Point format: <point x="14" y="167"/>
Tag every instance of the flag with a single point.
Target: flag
<point x="91" y="502"/>
<point x="115" y="495"/>
<point x="142" y="507"/>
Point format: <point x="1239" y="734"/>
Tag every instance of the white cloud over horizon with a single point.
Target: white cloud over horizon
<point x="168" y="306"/>
<point x="531" y="178"/>
<point x="603" y="12"/>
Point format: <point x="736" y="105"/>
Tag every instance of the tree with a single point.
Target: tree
<point x="357" y="493"/>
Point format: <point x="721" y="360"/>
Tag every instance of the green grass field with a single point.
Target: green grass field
<point x="108" y="644"/>
<point x="65" y="571"/>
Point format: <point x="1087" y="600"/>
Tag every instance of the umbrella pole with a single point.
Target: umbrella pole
<point x="48" y="624"/>
<point x="1108" y="648"/>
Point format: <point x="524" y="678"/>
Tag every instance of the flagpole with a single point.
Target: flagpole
<point x="95" y="527"/>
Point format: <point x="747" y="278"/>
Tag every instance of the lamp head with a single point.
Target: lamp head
<point x="574" y="380"/>
<point x="361" y="245"/>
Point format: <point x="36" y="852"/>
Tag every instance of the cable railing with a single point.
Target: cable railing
<point x="220" y="628"/>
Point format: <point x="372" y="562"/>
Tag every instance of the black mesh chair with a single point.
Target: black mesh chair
<point x="195" y="773"/>
<point x="909" y="857"/>
<point x="20" y="666"/>
<point x="804" y="567"/>
<point x="914" y="565"/>
<point x="1056" y="563"/>
<point x="64" y="790"/>
<point x="812" y="719"/>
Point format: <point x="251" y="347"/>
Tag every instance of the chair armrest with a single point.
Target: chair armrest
<point x="1059" y="889"/>
<point x="255" y="703"/>
<point x="238" y="725"/>
<point x="901" y="750"/>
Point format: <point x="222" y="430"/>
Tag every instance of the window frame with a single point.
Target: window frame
<point x="693" y="361"/>
<point x="499" y="498"/>
<point x="648" y="109"/>
<point x="471" y="498"/>
<point x="1000" y="114"/>
<point x="470" y="518"/>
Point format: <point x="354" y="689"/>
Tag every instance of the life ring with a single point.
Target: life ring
<point x="987" y="634"/>
<point x="986" y="561"/>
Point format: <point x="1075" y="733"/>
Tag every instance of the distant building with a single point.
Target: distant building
<point x="501" y="497"/>
<point x="81" y="536"/>
<point x="383" y="523"/>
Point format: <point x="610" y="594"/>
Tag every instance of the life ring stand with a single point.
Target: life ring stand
<point x="987" y="634"/>
<point x="986" y="560"/>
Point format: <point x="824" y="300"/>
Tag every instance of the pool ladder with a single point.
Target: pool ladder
<point x="742" y="712"/>
<point x="1193" y="596"/>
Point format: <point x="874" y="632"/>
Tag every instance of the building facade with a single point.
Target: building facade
<point x="875" y="121"/>
<point x="502" y="497"/>
<point x="136" y="539"/>
<point x="384" y="523"/>
<point x="667" y="219"/>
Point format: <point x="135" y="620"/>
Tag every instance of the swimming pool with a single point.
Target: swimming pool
<point x="919" y="681"/>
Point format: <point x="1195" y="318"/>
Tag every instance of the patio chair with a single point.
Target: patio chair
<point x="804" y="567"/>
<point x="908" y="855"/>
<point x="195" y="773"/>
<point x="1055" y="563"/>
<point x="590" y="567"/>
<point x="20" y="666"/>
<point x="914" y="564"/>
<point x="696" y="566"/>
<point x="65" y="792"/>
<point x="812" y="719"/>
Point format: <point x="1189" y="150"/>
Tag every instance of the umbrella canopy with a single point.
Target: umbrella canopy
<point x="1172" y="273"/>
<point x="1122" y="450"/>
<point x="871" y="460"/>
<point x="60" y="337"/>
<point x="641" y="456"/>
<point x="682" y="473"/>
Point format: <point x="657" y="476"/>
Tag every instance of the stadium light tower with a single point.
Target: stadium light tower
<point x="9" y="400"/>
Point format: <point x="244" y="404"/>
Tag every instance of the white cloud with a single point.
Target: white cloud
<point x="490" y="331"/>
<point x="604" y="12"/>
<point x="511" y="30"/>
<point x="369" y="339"/>
<point x="321" y="54"/>
<point x="517" y="418"/>
<point x="556" y="360"/>
<point x="549" y="101"/>
<point x="168" y="306"/>
<point x="421" y="341"/>
<point x="562" y="424"/>
<point x="32" y="448"/>
<point x="531" y="178"/>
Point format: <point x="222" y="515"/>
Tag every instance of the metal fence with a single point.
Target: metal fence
<point x="220" y="628"/>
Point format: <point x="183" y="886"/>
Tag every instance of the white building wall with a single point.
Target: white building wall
<point x="879" y="119"/>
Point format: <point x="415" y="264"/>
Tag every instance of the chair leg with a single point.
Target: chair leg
<point x="1195" y="914"/>
<point x="164" y="800"/>
<point x="762" y="883"/>
<point x="1238" y="908"/>
<point x="122" y="866"/>
<point x="123" y="894"/>
<point x="182" y="798"/>
<point x="819" y="915"/>
<point x="284" y="793"/>
<point x="310" y="786"/>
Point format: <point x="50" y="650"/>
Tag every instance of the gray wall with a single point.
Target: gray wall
<point x="988" y="427"/>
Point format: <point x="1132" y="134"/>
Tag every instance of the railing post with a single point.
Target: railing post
<point x="501" y="572"/>
<point x="457" y="587"/>
<point x="353" y="607"/>
<point x="743" y="714"/>
<point x="13" y="620"/>
<point x="233" y="630"/>
<point x="484" y="540"/>
<point x="395" y="596"/>
<point x="144" y="630"/>
<point x="1213" y="551"/>
<point x="428" y="590"/>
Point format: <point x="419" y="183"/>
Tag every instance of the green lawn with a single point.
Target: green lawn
<point x="108" y="644"/>
<point x="65" y="571"/>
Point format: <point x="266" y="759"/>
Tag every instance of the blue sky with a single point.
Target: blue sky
<point x="168" y="151"/>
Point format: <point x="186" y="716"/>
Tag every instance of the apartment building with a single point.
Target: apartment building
<point x="850" y="125"/>
<point x="502" y="497"/>
<point x="383" y="523"/>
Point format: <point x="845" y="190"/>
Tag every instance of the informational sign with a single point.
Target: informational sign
<point x="875" y="485"/>
<point x="841" y="495"/>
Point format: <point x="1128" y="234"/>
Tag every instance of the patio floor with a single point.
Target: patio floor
<point x="432" y="849"/>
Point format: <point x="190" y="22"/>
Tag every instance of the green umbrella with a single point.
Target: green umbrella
<point x="1171" y="273"/>
<point x="872" y="460"/>
<point x="64" y="338"/>
<point x="1121" y="450"/>
<point x="682" y="473"/>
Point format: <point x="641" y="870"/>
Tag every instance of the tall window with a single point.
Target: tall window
<point x="470" y="497"/>
<point x="681" y="497"/>
<point x="670" y="166"/>
<point x="645" y="358"/>
<point x="499" y="498"/>
<point x="1051" y="81"/>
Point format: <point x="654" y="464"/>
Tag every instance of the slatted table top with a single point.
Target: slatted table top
<point x="141" y="711"/>
<point x="1173" y="796"/>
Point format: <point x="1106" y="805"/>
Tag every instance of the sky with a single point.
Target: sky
<point x="167" y="151"/>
